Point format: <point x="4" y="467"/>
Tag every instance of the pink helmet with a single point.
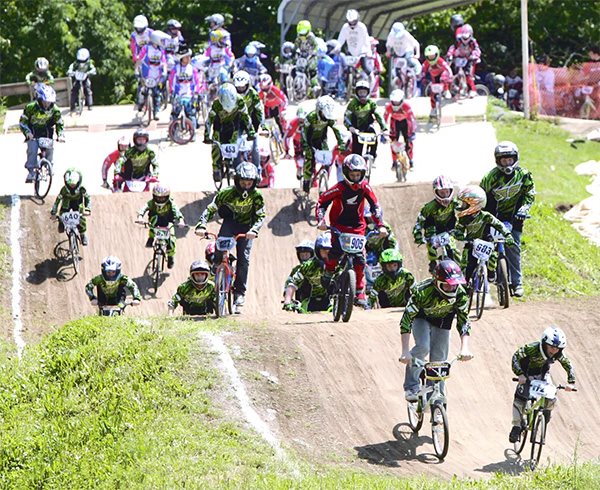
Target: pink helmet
<point x="443" y="183"/>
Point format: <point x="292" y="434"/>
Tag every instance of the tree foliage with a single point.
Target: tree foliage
<point x="57" y="28"/>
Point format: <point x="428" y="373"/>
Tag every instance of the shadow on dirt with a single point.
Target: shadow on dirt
<point x="191" y="214"/>
<point x="403" y="448"/>
<point x="299" y="210"/>
<point x="512" y="465"/>
<point x="59" y="267"/>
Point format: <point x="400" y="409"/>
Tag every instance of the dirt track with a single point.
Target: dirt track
<point x="339" y="390"/>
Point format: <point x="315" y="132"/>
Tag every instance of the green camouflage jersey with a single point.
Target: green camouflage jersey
<point x="69" y="201"/>
<point x="255" y="107"/>
<point x="35" y="77"/>
<point x="219" y="117"/>
<point x="377" y="243"/>
<point x="468" y="228"/>
<point x="361" y="116"/>
<point x="306" y="45"/>
<point x="314" y="133"/>
<point x="434" y="219"/>
<point x="310" y="272"/>
<point x="87" y="67"/>
<point x="142" y="163"/>
<point x="396" y="288"/>
<point x="507" y="194"/>
<point x="169" y="213"/>
<point x="194" y="299"/>
<point x="39" y="122"/>
<point x="113" y="289"/>
<point x="288" y="281"/>
<point x="529" y="361"/>
<point x="428" y="303"/>
<point x="247" y="208"/>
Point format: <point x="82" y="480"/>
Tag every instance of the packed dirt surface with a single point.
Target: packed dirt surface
<point x="332" y="392"/>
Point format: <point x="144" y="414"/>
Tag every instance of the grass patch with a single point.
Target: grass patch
<point x="557" y="260"/>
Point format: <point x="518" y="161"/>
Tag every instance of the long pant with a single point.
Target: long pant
<point x="309" y="157"/>
<point x="156" y="94"/>
<point x="430" y="341"/>
<point x="32" y="151"/>
<point x="277" y="114"/>
<point x="513" y="257"/>
<point x="357" y="147"/>
<point x="401" y="127"/>
<point x="87" y="91"/>
<point x="229" y="229"/>
<point x="190" y="110"/>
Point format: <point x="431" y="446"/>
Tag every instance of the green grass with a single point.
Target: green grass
<point x="122" y="403"/>
<point x="557" y="260"/>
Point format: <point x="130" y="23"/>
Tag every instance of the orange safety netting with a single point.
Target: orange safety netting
<point x="567" y="92"/>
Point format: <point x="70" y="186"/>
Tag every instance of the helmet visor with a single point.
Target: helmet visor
<point x="304" y="254"/>
<point x="391" y="267"/>
<point x="110" y="275"/>
<point x="246" y="184"/>
<point x="443" y="193"/>
<point x="506" y="161"/>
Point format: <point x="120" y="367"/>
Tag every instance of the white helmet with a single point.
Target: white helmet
<point x="228" y="96"/>
<point x="555" y="337"/>
<point x="325" y="105"/>
<point x="398" y="29"/>
<point x="83" y="55"/>
<point x="140" y="22"/>
<point x="352" y="17"/>
<point x="158" y="37"/>
<point x="397" y="96"/>
<point x="242" y="79"/>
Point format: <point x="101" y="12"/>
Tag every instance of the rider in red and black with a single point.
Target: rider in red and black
<point x="294" y="132"/>
<point x="348" y="198"/>
<point x="436" y="68"/>
<point x="401" y="118"/>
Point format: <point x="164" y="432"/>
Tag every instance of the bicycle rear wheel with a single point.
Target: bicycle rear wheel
<point x="502" y="283"/>
<point x="538" y="438"/>
<point x="74" y="249"/>
<point x="43" y="179"/>
<point x="348" y="291"/>
<point x="439" y="430"/>
<point x="181" y="131"/>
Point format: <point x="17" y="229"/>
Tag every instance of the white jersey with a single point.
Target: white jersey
<point x="357" y="39"/>
<point x="405" y="44"/>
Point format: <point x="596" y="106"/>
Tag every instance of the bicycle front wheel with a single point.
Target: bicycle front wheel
<point x="222" y="292"/>
<point x="479" y="284"/>
<point x="502" y="283"/>
<point x="538" y="438"/>
<point x="43" y="179"/>
<point x="348" y="291"/>
<point x="439" y="430"/>
<point x="401" y="167"/>
<point x="74" y="249"/>
<point x="157" y="265"/>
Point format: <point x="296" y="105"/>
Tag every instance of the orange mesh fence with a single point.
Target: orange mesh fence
<point x="567" y="92"/>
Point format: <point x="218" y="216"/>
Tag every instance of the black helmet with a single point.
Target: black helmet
<point x="141" y="133"/>
<point x="456" y="21"/>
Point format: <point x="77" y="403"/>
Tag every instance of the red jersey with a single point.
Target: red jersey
<point x="405" y="112"/>
<point x="437" y="69"/>
<point x="274" y="98"/>
<point x="109" y="161"/>
<point x="347" y="210"/>
<point x="469" y="51"/>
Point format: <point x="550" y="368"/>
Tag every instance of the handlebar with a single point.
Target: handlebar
<point x="209" y="235"/>
<point x="558" y="387"/>
<point x="147" y="224"/>
<point x="338" y="232"/>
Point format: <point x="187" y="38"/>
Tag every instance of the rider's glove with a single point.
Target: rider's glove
<point x="200" y="230"/>
<point x="522" y="379"/>
<point x="522" y="214"/>
<point x="105" y="184"/>
<point x="383" y="232"/>
<point x="306" y="186"/>
<point x="135" y="302"/>
<point x="53" y="212"/>
<point x="207" y="140"/>
<point x="509" y="240"/>
<point x="251" y="235"/>
<point x="353" y="130"/>
<point x="28" y="136"/>
<point x="61" y="138"/>
<point x="94" y="302"/>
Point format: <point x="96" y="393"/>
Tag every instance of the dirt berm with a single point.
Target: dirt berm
<point x="336" y="388"/>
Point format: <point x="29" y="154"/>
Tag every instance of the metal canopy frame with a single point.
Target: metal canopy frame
<point x="378" y="15"/>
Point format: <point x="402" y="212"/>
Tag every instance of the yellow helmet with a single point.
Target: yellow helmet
<point x="471" y="200"/>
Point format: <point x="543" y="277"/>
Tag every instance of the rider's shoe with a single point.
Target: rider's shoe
<point x="491" y="276"/>
<point x="170" y="262"/>
<point x="432" y="113"/>
<point x="438" y="418"/>
<point x="472" y="94"/>
<point x="432" y="265"/>
<point x="411" y="395"/>
<point x="518" y="291"/>
<point x="149" y="242"/>
<point x="411" y="165"/>
<point x="299" y="174"/>
<point x="217" y="177"/>
<point x="515" y="434"/>
<point x="363" y="303"/>
<point x="239" y="299"/>
<point x="30" y="177"/>
<point x="84" y="239"/>
<point x="156" y="117"/>
<point x="89" y="108"/>
<point x="447" y="94"/>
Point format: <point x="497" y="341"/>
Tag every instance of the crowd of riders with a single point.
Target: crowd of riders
<point x="244" y="95"/>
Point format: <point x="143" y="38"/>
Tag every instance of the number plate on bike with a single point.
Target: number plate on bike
<point x="80" y="75"/>
<point x="150" y="82"/>
<point x="161" y="233"/>
<point x="482" y="250"/>
<point x="45" y="143"/>
<point x="225" y="243"/>
<point x="136" y="185"/>
<point x="440" y="240"/>
<point x="351" y="60"/>
<point x="368" y="138"/>
<point x="398" y="146"/>
<point x="351" y="243"/>
<point x="229" y="151"/>
<point x="460" y="62"/>
<point x="285" y="69"/>
<point x="539" y="388"/>
<point x="437" y="371"/>
<point x="70" y="219"/>
<point x="437" y="88"/>
<point x="323" y="157"/>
